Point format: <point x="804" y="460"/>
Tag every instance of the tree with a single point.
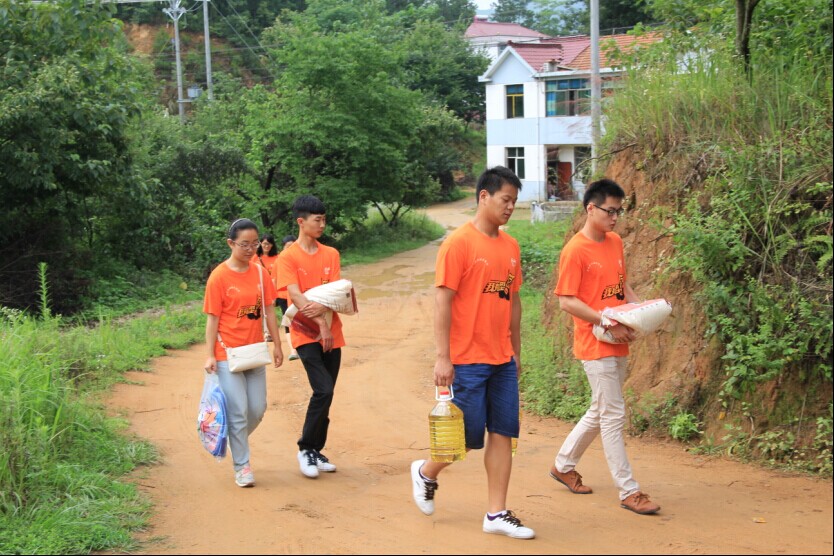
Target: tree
<point x="69" y="91"/>
<point x="441" y="64"/>
<point x="744" y="20"/>
<point x="513" y="11"/>
<point x="560" y="17"/>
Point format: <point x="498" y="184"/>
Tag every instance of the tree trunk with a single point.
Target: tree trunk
<point x="744" y="20"/>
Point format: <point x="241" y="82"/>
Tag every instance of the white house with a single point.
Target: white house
<point x="538" y="111"/>
<point x="491" y="37"/>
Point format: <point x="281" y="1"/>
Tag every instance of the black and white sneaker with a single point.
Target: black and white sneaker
<point x="421" y="489"/>
<point x="323" y="464"/>
<point x="507" y="524"/>
<point x="307" y="463"/>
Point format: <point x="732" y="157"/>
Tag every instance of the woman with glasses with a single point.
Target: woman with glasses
<point x="234" y="303"/>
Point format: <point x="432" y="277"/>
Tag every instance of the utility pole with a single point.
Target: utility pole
<point x="209" y="85"/>
<point x="596" y="86"/>
<point x="175" y="12"/>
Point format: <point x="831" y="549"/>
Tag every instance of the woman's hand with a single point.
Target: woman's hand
<point x="277" y="354"/>
<point x="210" y="365"/>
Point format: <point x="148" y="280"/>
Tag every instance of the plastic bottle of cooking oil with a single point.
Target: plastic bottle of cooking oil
<point x="446" y="434"/>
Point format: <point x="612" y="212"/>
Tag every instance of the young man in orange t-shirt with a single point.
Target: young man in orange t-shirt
<point x="304" y="265"/>
<point x="592" y="276"/>
<point x="477" y="327"/>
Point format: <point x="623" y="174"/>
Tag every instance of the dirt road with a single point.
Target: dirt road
<point x="379" y="425"/>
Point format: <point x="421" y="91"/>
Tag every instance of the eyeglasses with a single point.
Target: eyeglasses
<point x="245" y="245"/>
<point x="256" y="314"/>
<point x="611" y="212"/>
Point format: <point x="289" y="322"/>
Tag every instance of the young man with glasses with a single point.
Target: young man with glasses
<point x="592" y="276"/>
<point x="304" y="265"/>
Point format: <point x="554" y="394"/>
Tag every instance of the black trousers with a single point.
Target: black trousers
<point x="322" y="370"/>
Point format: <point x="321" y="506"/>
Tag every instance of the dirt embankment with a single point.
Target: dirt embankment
<point x="681" y="360"/>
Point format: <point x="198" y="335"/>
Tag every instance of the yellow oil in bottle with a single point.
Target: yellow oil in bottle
<point x="446" y="433"/>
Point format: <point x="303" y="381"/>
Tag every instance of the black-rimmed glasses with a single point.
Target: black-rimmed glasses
<point x="612" y="211"/>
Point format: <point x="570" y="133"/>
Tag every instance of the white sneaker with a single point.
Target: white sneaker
<point x="508" y="524"/>
<point x="323" y="464"/>
<point x="244" y="478"/>
<point x="422" y="490"/>
<point x="307" y="463"/>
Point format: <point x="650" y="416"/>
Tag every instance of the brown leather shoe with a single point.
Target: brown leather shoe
<point x="571" y="479"/>
<point x="639" y="503"/>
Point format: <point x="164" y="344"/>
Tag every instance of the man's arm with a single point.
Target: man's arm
<point x="299" y="300"/>
<point x="630" y="296"/>
<point x="578" y="308"/>
<point x="444" y="372"/>
<point x="515" y="328"/>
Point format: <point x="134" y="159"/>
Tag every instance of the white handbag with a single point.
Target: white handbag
<point x="250" y="356"/>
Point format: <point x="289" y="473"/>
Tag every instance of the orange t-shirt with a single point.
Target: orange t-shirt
<point x="267" y="262"/>
<point x="282" y="292"/>
<point x="296" y="266"/>
<point x="484" y="272"/>
<point x="233" y="296"/>
<point x="595" y="274"/>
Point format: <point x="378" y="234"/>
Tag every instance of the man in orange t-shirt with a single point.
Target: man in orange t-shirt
<point x="592" y="276"/>
<point x="304" y="265"/>
<point x="478" y="338"/>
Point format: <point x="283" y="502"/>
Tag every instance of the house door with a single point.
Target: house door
<point x="564" y="189"/>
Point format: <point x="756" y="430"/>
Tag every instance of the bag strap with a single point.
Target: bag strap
<point x="263" y="308"/>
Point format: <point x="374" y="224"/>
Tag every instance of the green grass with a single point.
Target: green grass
<point x="553" y="382"/>
<point x="126" y="291"/>
<point x="62" y="461"/>
<point x="374" y="239"/>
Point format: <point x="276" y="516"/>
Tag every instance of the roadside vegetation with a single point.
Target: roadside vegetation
<point x="553" y="382"/>
<point x="742" y="155"/>
<point x="63" y="461"/>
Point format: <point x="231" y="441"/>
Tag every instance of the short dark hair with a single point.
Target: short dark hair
<point x="239" y="225"/>
<point x="271" y="239"/>
<point x="600" y="190"/>
<point x="288" y="239"/>
<point x="306" y="205"/>
<point x="493" y="179"/>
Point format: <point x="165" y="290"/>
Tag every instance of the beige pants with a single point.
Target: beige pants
<point x="607" y="416"/>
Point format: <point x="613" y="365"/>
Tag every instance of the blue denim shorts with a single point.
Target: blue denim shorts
<point x="488" y="396"/>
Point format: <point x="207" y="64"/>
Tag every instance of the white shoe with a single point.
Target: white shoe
<point x="323" y="464"/>
<point x="307" y="463"/>
<point x="422" y="490"/>
<point x="244" y="478"/>
<point x="508" y="524"/>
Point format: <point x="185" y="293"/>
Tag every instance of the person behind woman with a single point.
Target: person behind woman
<point x="233" y="304"/>
<point x="265" y="256"/>
<point x="267" y="252"/>
<point x="282" y="294"/>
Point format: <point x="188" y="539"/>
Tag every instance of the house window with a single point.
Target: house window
<point x="515" y="101"/>
<point x="515" y="161"/>
<point x="568" y="97"/>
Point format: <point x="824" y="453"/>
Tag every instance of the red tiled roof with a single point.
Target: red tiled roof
<point x="481" y="28"/>
<point x="561" y="49"/>
<point x="624" y="43"/>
